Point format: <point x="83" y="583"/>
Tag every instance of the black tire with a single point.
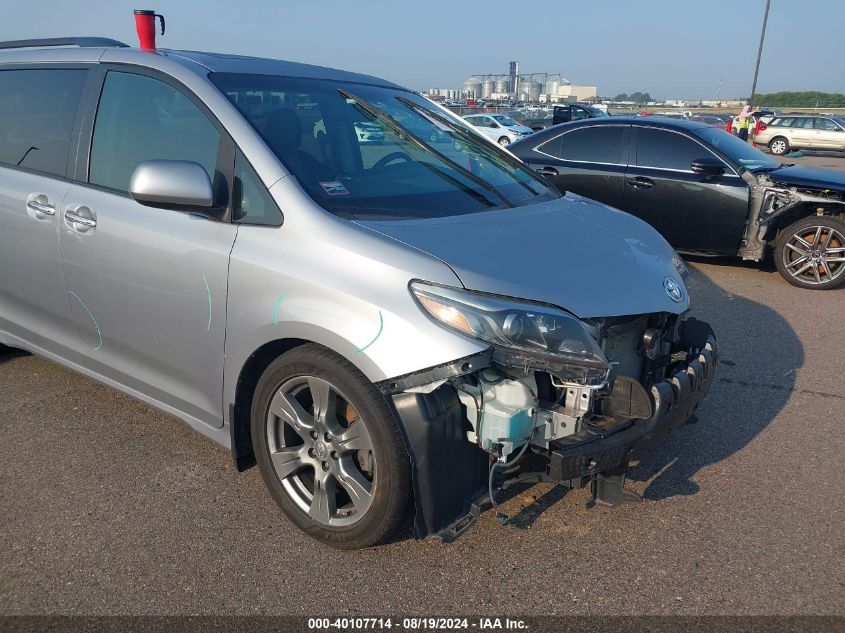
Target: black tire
<point x="504" y="141"/>
<point x="779" y="146"/>
<point x="391" y="478"/>
<point x="829" y="233"/>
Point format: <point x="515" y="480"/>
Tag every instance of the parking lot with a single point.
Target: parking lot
<point x="111" y="507"/>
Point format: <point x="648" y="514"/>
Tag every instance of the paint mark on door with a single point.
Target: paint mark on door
<point x="93" y="320"/>
<point x="208" y="293"/>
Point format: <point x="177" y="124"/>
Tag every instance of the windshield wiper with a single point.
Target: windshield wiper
<point x="398" y="128"/>
<point x="477" y="143"/>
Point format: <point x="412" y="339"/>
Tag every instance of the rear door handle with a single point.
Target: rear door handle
<point x="39" y="204"/>
<point x="640" y="182"/>
<point x="547" y="171"/>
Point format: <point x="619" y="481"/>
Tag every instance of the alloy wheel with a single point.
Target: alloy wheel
<point x="815" y="255"/>
<point x="778" y="147"/>
<point x="321" y="451"/>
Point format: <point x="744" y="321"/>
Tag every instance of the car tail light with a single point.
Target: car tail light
<point x="762" y="126"/>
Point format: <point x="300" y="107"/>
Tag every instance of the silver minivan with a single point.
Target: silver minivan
<point x="381" y="327"/>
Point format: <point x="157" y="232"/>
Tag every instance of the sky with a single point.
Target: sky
<point x="669" y="48"/>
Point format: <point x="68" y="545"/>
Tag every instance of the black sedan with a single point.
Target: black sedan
<point x="705" y="190"/>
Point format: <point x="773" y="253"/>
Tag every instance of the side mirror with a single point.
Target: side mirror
<point x="171" y="183"/>
<point x="708" y="166"/>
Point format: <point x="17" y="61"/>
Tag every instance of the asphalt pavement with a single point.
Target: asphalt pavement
<point x="111" y="507"/>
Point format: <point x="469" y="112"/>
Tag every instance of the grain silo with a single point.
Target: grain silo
<point x="471" y="88"/>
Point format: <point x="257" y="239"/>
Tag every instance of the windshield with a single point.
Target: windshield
<point x="506" y="121"/>
<point x="371" y="152"/>
<point x="596" y="112"/>
<point x="736" y="149"/>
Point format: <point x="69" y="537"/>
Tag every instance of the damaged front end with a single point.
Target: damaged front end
<point x="584" y="395"/>
<point x="775" y="204"/>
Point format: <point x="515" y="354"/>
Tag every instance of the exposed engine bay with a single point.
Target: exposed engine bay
<point x="488" y="416"/>
<point x="771" y="199"/>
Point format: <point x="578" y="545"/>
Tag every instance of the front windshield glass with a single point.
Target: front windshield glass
<point x="743" y="154"/>
<point x="596" y="112"/>
<point x="506" y="121"/>
<point x="370" y="152"/>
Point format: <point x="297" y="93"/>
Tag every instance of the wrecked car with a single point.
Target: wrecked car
<point x="705" y="190"/>
<point x="380" y="327"/>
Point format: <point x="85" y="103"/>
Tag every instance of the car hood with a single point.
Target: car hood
<point x="524" y="129"/>
<point x="811" y="177"/>
<point x="572" y="252"/>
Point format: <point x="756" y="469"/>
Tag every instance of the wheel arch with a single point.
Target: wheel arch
<point x="239" y="410"/>
<point x="248" y="376"/>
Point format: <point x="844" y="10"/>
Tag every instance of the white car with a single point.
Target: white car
<point x="499" y="127"/>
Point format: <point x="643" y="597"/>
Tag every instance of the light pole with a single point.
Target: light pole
<point x="760" y="52"/>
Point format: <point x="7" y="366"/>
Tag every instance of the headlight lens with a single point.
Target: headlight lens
<point x="523" y="334"/>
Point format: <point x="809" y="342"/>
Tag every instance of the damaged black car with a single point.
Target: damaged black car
<point x="706" y="191"/>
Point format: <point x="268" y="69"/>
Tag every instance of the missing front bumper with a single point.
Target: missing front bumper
<point x="450" y="474"/>
<point x="596" y="450"/>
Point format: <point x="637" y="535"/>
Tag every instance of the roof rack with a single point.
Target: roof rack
<point x="82" y="42"/>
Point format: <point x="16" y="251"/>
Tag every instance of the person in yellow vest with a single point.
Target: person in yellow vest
<point x="744" y="122"/>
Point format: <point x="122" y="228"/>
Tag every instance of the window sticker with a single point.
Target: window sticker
<point x="334" y="188"/>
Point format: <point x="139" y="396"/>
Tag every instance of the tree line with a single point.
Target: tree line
<point x="636" y="97"/>
<point x="808" y="99"/>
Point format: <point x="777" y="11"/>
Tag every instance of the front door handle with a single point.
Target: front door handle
<point x="39" y="204"/>
<point x="75" y="216"/>
<point x="640" y="182"/>
<point x="548" y="171"/>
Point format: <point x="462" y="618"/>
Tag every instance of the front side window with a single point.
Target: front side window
<point x="598" y="144"/>
<point x="251" y="202"/>
<point x="667" y="150"/>
<point x="372" y="152"/>
<point x="742" y="154"/>
<point x="825" y="124"/>
<point x="37" y="111"/>
<point x="141" y="118"/>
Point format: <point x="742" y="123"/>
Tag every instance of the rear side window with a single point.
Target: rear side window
<point x="141" y="118"/>
<point x="667" y="150"/>
<point x="802" y="122"/>
<point x="600" y="144"/>
<point x="37" y="111"/>
<point x="782" y="122"/>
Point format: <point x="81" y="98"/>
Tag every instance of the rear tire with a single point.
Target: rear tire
<point x="779" y="146"/>
<point x="811" y="253"/>
<point x="342" y="475"/>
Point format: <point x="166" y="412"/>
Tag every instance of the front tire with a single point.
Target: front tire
<point x="504" y="141"/>
<point x="329" y="449"/>
<point x="779" y="146"/>
<point x="811" y="253"/>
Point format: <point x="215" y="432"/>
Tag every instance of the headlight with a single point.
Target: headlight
<point x="680" y="266"/>
<point x="523" y="334"/>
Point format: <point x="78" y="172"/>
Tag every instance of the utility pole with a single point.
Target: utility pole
<point x="760" y="52"/>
